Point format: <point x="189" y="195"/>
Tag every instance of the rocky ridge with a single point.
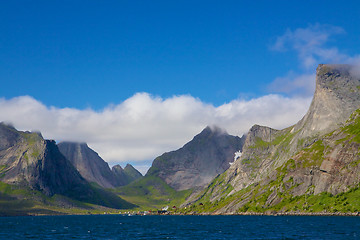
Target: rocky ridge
<point x="36" y="177"/>
<point x="318" y="154"/>
<point x="27" y="159"/>
<point x="126" y="175"/>
<point x="94" y="169"/>
<point x="199" y="161"/>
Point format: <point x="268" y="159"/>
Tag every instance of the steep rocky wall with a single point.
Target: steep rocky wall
<point x="321" y="161"/>
<point x="198" y="161"/>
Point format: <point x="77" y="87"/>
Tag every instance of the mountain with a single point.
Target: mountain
<point x="126" y="175"/>
<point x="89" y="164"/>
<point x="336" y="98"/>
<point x="33" y="171"/>
<point x="27" y="159"/>
<point x="94" y="169"/>
<point x="311" y="166"/>
<point x="199" y="161"/>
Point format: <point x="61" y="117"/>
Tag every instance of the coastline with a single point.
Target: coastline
<point x="169" y="213"/>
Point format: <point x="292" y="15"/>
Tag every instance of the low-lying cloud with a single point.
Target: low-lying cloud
<point x="145" y="126"/>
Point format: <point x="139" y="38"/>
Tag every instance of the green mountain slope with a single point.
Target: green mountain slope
<point x="311" y="166"/>
<point x="31" y="167"/>
<point x="322" y="177"/>
<point x="151" y="192"/>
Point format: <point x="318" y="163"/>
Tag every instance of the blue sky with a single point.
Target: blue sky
<point x="92" y="53"/>
<point x="73" y="58"/>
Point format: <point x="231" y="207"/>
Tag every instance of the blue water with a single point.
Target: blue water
<point x="179" y="227"/>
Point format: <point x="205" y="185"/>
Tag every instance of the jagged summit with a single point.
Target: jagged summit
<point x="94" y="169"/>
<point x="126" y="175"/>
<point x="213" y="129"/>
<point x="198" y="161"/>
<point x="337" y="95"/>
<point x="89" y="164"/>
<point x="256" y="132"/>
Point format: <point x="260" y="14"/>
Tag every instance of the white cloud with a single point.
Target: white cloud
<point x="311" y="45"/>
<point x="145" y="126"/>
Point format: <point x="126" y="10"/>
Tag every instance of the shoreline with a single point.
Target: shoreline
<point x="355" y="214"/>
<point x="349" y="214"/>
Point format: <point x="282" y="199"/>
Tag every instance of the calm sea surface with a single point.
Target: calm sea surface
<point x="179" y="227"/>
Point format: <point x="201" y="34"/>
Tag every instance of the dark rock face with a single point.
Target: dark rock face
<point x="199" y="161"/>
<point x="27" y="159"/>
<point x="126" y="175"/>
<point x="94" y="169"/>
<point x="89" y="164"/>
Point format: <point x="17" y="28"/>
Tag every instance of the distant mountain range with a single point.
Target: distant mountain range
<point x="312" y="166"/>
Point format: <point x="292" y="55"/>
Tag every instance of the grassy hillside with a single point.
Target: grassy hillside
<point x="151" y="192"/>
<point x="16" y="200"/>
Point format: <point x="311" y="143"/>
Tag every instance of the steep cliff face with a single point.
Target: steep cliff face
<point x="126" y="175"/>
<point x="318" y="154"/>
<point x="197" y="162"/>
<point x="89" y="164"/>
<point x="331" y="164"/>
<point x="94" y="169"/>
<point x="29" y="160"/>
<point x="260" y="149"/>
<point x="336" y="97"/>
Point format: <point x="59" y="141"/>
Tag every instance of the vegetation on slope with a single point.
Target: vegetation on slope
<point x="300" y="184"/>
<point x="151" y="192"/>
<point x="16" y="200"/>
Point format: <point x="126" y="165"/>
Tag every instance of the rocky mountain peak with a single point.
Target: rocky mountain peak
<point x="337" y="95"/>
<point x="117" y="168"/>
<point x="212" y="130"/>
<point x="89" y="164"/>
<point x="259" y="132"/>
<point x="130" y="168"/>
<point x="195" y="164"/>
<point x="126" y="175"/>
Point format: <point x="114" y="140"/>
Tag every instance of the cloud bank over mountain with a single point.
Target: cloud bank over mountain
<point x="144" y="126"/>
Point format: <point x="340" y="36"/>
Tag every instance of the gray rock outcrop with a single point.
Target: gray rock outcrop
<point x="125" y="175"/>
<point x="94" y="169"/>
<point x="199" y="161"/>
<point x="318" y="154"/>
<point x="89" y="164"/>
